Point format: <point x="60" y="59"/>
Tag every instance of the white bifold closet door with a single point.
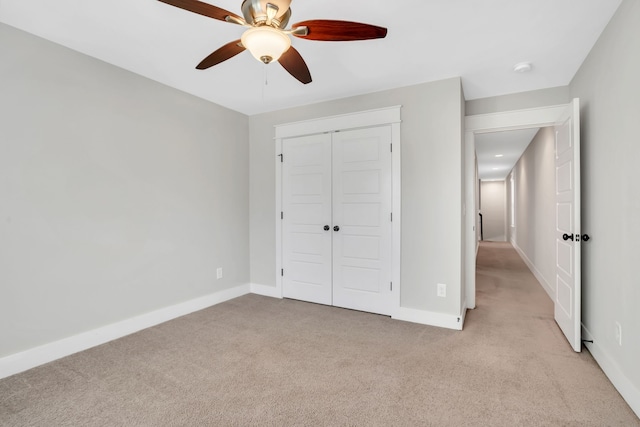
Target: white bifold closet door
<point x="337" y="219"/>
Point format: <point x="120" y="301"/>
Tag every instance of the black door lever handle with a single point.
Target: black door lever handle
<point x="578" y="237"/>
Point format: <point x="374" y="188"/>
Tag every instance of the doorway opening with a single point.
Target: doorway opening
<point x="497" y="154"/>
<point x="561" y="125"/>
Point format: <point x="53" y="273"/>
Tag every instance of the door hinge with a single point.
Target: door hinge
<point x="281" y="215"/>
<point x="391" y="147"/>
<point x="391" y="286"/>
<point x="282" y="272"/>
<point x="281" y="157"/>
<point x="391" y="216"/>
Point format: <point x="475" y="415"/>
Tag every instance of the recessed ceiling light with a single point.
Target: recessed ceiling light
<point x="499" y="155"/>
<point x="495" y="169"/>
<point x="522" y="67"/>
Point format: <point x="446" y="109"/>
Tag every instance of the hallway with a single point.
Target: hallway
<point x="518" y="337"/>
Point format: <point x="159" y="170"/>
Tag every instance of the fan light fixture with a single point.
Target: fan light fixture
<point x="265" y="43"/>
<point x="268" y="37"/>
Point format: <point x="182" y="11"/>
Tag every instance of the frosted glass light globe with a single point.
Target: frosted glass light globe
<point x="265" y="43"/>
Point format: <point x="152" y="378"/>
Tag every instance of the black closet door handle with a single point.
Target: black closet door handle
<point x="336" y="228"/>
<point x="327" y="228"/>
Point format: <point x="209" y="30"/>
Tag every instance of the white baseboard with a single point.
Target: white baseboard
<point x="629" y="392"/>
<point x="19" y="362"/>
<point x="547" y="287"/>
<point x="404" y="314"/>
<point x="267" y="291"/>
<point x="430" y="318"/>
<point x="463" y="314"/>
<point x="46" y="353"/>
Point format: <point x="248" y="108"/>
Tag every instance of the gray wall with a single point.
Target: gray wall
<point x="534" y="232"/>
<point x="431" y="133"/>
<point x="463" y="198"/>
<point x="118" y="195"/>
<point x="609" y="89"/>
<point x="493" y="208"/>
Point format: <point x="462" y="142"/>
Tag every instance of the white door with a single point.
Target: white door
<point x="337" y="219"/>
<point x="568" y="255"/>
<point x="306" y="199"/>
<point x="362" y="215"/>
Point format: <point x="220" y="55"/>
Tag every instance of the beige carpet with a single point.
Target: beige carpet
<point x="261" y="361"/>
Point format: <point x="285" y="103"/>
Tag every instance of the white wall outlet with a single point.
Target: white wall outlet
<point x="619" y="334"/>
<point x="442" y="290"/>
<point x="219" y="273"/>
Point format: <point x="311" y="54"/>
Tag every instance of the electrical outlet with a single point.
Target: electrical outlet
<point x="442" y="290"/>
<point x="219" y="273"/>
<point x="619" y="333"/>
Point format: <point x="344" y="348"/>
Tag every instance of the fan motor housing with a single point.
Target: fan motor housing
<point x="255" y="12"/>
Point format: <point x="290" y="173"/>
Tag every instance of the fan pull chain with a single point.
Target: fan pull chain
<point x="265" y="74"/>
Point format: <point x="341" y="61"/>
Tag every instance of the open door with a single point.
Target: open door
<point x="568" y="254"/>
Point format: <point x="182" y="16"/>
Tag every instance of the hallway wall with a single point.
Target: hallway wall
<point x="534" y="233"/>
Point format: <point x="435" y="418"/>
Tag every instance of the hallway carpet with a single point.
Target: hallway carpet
<point x="268" y="362"/>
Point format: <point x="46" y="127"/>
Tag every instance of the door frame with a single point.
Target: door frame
<point x="378" y="117"/>
<point x="487" y="123"/>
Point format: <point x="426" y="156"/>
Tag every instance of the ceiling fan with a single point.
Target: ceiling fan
<point x="267" y="37"/>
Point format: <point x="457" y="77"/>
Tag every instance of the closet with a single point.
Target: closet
<point x="336" y="218"/>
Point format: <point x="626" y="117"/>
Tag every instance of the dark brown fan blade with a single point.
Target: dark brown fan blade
<point x="227" y="51"/>
<point x="202" y="8"/>
<point x="339" y="31"/>
<point x="292" y="61"/>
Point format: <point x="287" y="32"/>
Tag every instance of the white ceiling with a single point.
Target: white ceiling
<point x="428" y="40"/>
<point x="508" y="145"/>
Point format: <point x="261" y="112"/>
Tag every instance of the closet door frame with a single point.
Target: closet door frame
<point x="380" y="117"/>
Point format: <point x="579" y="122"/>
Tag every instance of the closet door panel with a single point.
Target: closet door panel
<point x="306" y="192"/>
<point x="362" y="211"/>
